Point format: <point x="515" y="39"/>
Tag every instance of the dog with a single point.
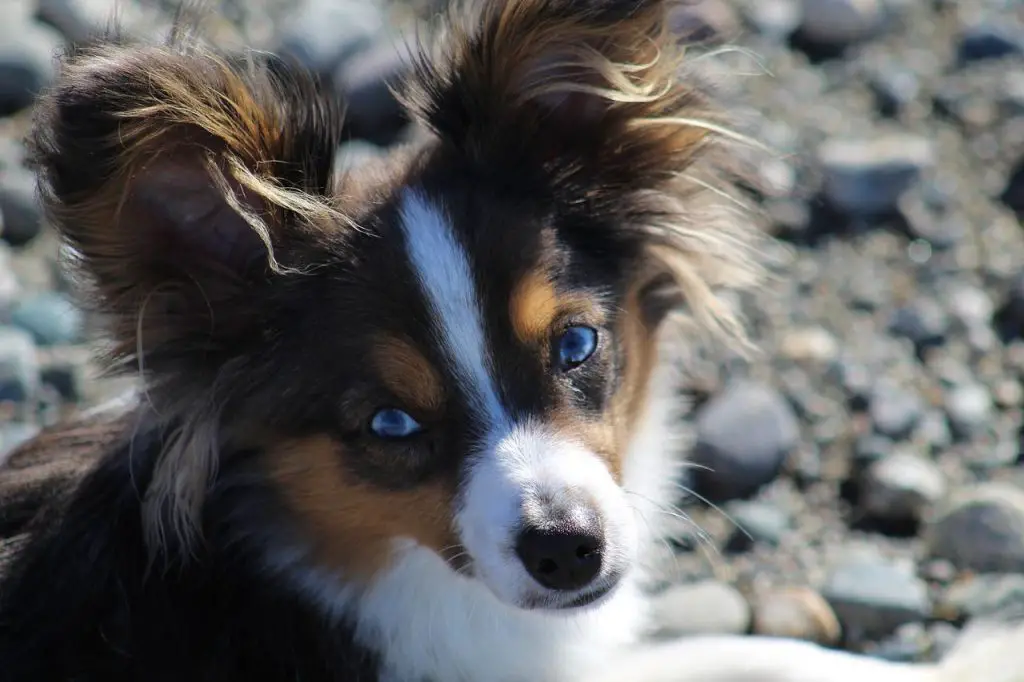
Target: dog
<point x="412" y="422"/>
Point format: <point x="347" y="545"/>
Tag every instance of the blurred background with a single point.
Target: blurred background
<point x="868" y="485"/>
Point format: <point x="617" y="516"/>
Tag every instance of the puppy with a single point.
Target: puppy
<point x="413" y="423"/>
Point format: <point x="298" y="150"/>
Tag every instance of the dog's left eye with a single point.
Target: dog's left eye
<point x="392" y="423"/>
<point x="575" y="347"/>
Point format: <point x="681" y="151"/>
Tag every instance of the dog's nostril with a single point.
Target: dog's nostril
<point x="564" y="557"/>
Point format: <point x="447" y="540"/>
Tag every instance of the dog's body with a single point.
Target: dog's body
<point x="414" y="424"/>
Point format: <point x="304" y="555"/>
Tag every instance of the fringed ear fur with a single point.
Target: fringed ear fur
<point x="182" y="181"/>
<point x="174" y="175"/>
<point x="595" y="96"/>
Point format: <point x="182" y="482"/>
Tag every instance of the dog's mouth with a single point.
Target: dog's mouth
<point x="571" y="602"/>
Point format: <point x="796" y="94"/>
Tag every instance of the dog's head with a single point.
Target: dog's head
<point x="450" y="347"/>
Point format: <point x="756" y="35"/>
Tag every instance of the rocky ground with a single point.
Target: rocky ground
<point x="869" y="481"/>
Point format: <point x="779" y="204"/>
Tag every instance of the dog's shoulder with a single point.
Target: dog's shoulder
<point x="82" y="597"/>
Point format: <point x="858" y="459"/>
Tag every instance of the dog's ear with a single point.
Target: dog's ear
<point x="178" y="179"/>
<point x="596" y="97"/>
<point x="566" y="82"/>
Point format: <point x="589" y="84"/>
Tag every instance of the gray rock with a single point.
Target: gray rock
<point x="704" y="20"/>
<point x="839" y="23"/>
<point x="901" y="487"/>
<point x="323" y="33"/>
<point x="9" y="285"/>
<point x="774" y="19"/>
<point x="969" y="306"/>
<point x="27" y="53"/>
<point x="894" y="411"/>
<point x="1009" y="318"/>
<point x="19" y="365"/>
<point x="13" y="434"/>
<point x="757" y="523"/>
<point x="867" y="177"/>
<point x="969" y="409"/>
<point x="872" y="597"/>
<point x="19" y="206"/>
<point x="924" y="322"/>
<point x="980" y="529"/>
<point x="78" y="20"/>
<point x="990" y="40"/>
<point x="66" y="370"/>
<point x="909" y="643"/>
<point x="708" y="607"/>
<point x="796" y="613"/>
<point x="744" y="435"/>
<point x="51" y="318"/>
<point x="871" y="448"/>
<point x="364" y="82"/>
<point x="990" y="595"/>
<point x="894" y="87"/>
<point x="933" y="430"/>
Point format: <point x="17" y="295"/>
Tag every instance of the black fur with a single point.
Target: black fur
<point x="82" y="602"/>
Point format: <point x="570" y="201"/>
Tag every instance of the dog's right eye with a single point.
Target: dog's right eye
<point x="392" y="423"/>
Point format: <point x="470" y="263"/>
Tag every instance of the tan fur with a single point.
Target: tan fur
<point x="409" y="375"/>
<point x="352" y="525"/>
<point x="535" y="307"/>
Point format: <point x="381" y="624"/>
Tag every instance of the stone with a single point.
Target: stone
<point x="774" y="19"/>
<point x="894" y="87"/>
<point x="873" y="597"/>
<point x="364" y="82"/>
<point x="990" y="40"/>
<point x="894" y="411"/>
<point x="321" y="34"/>
<point x="743" y="437"/>
<point x="980" y="529"/>
<point x="796" y="613"/>
<point x="19" y="366"/>
<point x="757" y="523"/>
<point x="839" y="23"/>
<point x="809" y="344"/>
<point x="705" y="607"/>
<point x="13" y="434"/>
<point x="51" y="318"/>
<point x="867" y="177"/>
<point x="985" y="595"/>
<point x="969" y="408"/>
<point x="10" y="287"/>
<point x="27" y="53"/>
<point x="901" y="487"/>
<point x="969" y="306"/>
<point x="924" y="322"/>
<point x="20" y="207"/>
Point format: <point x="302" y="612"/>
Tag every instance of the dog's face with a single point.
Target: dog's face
<point x="450" y="347"/>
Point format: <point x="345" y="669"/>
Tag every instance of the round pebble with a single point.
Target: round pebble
<point x="707" y="607"/>
<point x="744" y="435"/>
<point x="980" y="529"/>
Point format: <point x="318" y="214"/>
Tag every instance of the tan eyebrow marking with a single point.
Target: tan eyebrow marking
<point x="535" y="305"/>
<point x="408" y="374"/>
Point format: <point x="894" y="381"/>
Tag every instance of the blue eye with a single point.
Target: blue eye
<point x="392" y="423"/>
<point x="575" y="346"/>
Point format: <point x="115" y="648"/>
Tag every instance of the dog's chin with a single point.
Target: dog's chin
<point x="569" y="604"/>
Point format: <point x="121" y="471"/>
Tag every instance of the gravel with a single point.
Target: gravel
<point x="885" y="410"/>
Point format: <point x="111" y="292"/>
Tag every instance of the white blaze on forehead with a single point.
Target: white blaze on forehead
<point x="442" y="268"/>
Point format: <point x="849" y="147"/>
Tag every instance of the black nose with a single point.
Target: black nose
<point x="563" y="555"/>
